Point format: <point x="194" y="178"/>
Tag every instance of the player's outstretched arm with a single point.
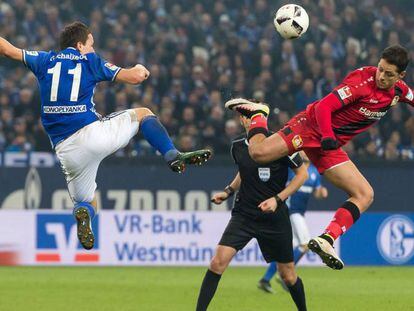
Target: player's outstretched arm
<point x="9" y="50"/>
<point x="222" y="196"/>
<point x="323" y="114"/>
<point x="134" y="75"/>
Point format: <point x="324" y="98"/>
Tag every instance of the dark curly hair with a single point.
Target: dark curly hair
<point x="72" y="34"/>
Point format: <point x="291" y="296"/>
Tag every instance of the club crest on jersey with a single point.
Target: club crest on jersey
<point x="344" y="92"/>
<point x="264" y="173"/>
<point x="395" y="100"/>
<point x="297" y="141"/>
<point x="111" y="66"/>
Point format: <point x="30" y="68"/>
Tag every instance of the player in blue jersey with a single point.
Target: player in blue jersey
<point x="297" y="204"/>
<point x="80" y="137"/>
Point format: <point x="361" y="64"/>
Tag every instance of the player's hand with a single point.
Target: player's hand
<point x="324" y="192"/>
<point x="329" y="143"/>
<point x="245" y="122"/>
<point x="269" y="205"/>
<point x="142" y="72"/>
<point x="219" y="197"/>
<point x="321" y="193"/>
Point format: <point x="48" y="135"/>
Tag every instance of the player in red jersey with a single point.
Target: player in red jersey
<point x="362" y="99"/>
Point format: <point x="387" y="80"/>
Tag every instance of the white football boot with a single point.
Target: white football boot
<point x="326" y="252"/>
<point x="246" y="107"/>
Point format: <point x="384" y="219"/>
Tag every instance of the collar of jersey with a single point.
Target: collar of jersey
<point x="70" y="50"/>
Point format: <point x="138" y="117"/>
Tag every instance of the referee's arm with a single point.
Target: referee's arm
<point x="301" y="174"/>
<point x="271" y="204"/>
<point x="228" y="191"/>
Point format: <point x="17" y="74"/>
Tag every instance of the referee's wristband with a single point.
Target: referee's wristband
<point x="229" y="190"/>
<point x="279" y="201"/>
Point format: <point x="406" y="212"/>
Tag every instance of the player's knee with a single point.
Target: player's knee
<point x="370" y="195"/>
<point x="141" y="113"/>
<point x="218" y="265"/>
<point x="366" y="196"/>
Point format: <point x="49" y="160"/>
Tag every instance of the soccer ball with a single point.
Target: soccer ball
<point x="291" y="21"/>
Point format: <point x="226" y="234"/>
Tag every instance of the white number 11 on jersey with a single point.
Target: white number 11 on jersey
<point x="76" y="72"/>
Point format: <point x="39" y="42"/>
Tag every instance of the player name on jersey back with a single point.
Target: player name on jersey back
<point x="64" y="109"/>
<point x="69" y="57"/>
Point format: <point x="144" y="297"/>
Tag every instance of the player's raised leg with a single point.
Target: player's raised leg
<point x="347" y="177"/>
<point x="294" y="284"/>
<point x="263" y="148"/>
<point x="156" y="134"/>
<point x="218" y="264"/>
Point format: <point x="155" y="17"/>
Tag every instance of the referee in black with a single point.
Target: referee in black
<point x="259" y="212"/>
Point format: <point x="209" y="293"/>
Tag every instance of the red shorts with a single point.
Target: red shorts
<point x="300" y="134"/>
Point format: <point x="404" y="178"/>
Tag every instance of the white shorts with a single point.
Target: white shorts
<point x="300" y="230"/>
<point x="81" y="153"/>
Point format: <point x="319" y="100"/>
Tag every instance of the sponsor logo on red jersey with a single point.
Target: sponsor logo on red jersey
<point x="297" y="141"/>
<point x="344" y="92"/>
<point x="376" y="115"/>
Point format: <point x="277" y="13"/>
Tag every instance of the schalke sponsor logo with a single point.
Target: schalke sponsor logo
<point x="395" y="239"/>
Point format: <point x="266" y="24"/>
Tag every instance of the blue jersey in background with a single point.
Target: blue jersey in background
<point x="298" y="202"/>
<point x="67" y="81"/>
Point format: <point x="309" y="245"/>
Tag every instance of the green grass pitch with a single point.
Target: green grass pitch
<point x="170" y="289"/>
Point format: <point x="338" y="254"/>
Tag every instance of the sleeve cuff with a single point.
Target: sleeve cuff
<point x="24" y="57"/>
<point x="335" y="92"/>
<point x="116" y="73"/>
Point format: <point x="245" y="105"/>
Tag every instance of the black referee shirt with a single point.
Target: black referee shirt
<point x="259" y="181"/>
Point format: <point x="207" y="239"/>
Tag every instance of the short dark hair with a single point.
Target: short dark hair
<point x="396" y="55"/>
<point x="72" y="34"/>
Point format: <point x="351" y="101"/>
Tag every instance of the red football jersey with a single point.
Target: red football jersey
<point x="363" y="103"/>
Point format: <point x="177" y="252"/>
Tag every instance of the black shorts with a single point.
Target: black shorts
<point x="273" y="234"/>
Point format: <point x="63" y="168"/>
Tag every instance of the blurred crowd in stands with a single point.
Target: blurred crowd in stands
<point x="201" y="53"/>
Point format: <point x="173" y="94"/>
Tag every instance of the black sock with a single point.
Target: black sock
<point x="207" y="290"/>
<point x="328" y="238"/>
<point x="297" y="291"/>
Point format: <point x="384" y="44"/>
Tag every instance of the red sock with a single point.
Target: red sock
<point x="344" y="218"/>
<point x="258" y="120"/>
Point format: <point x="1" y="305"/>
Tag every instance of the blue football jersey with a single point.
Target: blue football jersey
<point x="298" y="202"/>
<point x="67" y="81"/>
